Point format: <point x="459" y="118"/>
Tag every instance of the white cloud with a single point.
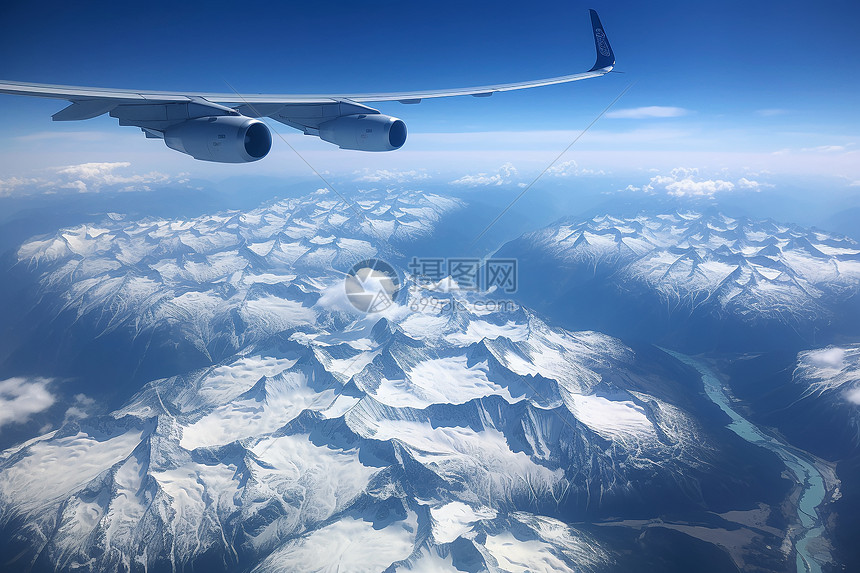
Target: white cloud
<point x="391" y="175"/>
<point x="745" y="183"/>
<point x="634" y="189"/>
<point x="92" y="170"/>
<point x="685" y="172"/>
<point x="88" y="178"/>
<point x="853" y="396"/>
<point x="10" y="185"/>
<point x="81" y="408"/>
<point x="826" y="148"/>
<point x="771" y="112"/>
<point x="92" y="177"/>
<point x="651" y="111"/>
<point x="687" y="182"/>
<point x="20" y="398"/>
<point x="571" y="169"/>
<point x="691" y="188"/>
<point x="828" y="358"/>
<point x="504" y="176"/>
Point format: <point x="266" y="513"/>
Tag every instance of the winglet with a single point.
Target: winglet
<point x="605" y="57"/>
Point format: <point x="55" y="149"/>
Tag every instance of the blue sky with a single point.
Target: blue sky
<point x="764" y="86"/>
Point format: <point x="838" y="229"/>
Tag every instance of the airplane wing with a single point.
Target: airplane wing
<point x="157" y="112"/>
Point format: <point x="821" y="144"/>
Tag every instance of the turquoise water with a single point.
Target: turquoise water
<point x="804" y="472"/>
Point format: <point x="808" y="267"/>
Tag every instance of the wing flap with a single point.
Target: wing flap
<point x="159" y="116"/>
<point x="85" y="109"/>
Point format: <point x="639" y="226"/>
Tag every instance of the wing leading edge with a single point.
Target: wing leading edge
<point x="155" y="111"/>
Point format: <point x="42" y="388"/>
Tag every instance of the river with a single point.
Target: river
<point x="805" y="474"/>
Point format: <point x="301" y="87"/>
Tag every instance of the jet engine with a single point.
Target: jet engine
<point x="365" y="132"/>
<point x="223" y="139"/>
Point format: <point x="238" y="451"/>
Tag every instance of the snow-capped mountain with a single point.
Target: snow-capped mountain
<point x="324" y="439"/>
<point x="746" y="268"/>
<point x="427" y="440"/>
<point x="668" y="267"/>
<point x="833" y="370"/>
<point x="832" y="376"/>
<point x="220" y="282"/>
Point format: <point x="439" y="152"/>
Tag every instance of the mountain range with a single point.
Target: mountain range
<point x="704" y="280"/>
<point x="314" y="437"/>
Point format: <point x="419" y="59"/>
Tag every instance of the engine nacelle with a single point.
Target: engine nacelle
<point x="224" y="139"/>
<point x="365" y="132"/>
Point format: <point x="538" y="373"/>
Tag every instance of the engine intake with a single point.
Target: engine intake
<point x="223" y="139"/>
<point x="365" y="132"/>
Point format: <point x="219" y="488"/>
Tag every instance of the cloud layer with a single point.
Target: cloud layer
<point x="648" y="112"/>
<point x="571" y="169"/>
<point x="390" y="175"/>
<point x="687" y="182"/>
<point x="504" y="176"/>
<point x="20" y="398"/>
<point x="508" y="174"/>
<point x="88" y="178"/>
